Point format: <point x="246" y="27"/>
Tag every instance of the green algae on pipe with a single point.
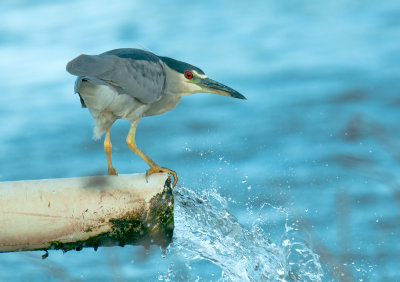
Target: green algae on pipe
<point x="74" y="213"/>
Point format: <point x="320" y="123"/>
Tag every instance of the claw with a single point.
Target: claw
<point x="159" y="169"/>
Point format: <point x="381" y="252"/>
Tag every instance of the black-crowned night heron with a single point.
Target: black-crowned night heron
<point x="130" y="84"/>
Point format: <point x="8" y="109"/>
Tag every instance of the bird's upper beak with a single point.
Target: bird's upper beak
<point x="211" y="86"/>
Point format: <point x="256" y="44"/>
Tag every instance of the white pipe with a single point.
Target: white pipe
<point x="71" y="213"/>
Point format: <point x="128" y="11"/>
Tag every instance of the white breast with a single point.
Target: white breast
<point x="106" y="105"/>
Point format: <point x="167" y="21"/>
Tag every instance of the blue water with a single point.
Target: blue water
<point x="318" y="137"/>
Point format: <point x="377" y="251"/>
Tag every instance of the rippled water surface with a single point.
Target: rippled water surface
<point x="299" y="182"/>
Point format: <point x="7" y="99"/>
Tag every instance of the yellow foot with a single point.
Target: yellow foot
<point x="158" y="169"/>
<point x="112" y="171"/>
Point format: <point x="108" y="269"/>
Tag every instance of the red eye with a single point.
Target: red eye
<point x="188" y="75"/>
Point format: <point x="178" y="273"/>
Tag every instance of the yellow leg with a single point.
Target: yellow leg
<point x="154" y="168"/>
<point x="107" y="149"/>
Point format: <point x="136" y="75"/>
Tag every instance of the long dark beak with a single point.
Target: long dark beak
<point x="212" y="86"/>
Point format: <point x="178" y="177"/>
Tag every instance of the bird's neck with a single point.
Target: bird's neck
<point x="164" y="104"/>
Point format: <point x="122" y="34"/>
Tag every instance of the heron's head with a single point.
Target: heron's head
<point x="184" y="79"/>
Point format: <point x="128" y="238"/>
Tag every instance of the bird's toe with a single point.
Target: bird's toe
<point x="159" y="169"/>
<point x="112" y="171"/>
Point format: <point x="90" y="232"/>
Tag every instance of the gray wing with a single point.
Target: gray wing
<point x="130" y="71"/>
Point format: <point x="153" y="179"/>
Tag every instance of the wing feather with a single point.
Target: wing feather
<point x="130" y="71"/>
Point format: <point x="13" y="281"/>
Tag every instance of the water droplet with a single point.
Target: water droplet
<point x="204" y="224"/>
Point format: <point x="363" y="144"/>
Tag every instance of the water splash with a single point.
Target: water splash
<point x="205" y="230"/>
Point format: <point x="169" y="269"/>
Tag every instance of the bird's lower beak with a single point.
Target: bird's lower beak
<point x="211" y="86"/>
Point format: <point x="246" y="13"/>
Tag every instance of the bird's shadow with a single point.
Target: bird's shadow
<point x="98" y="181"/>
